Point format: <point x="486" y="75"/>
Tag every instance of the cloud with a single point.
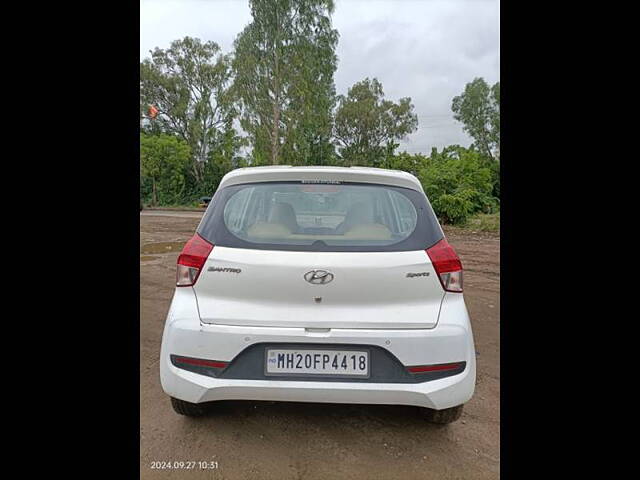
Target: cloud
<point x="424" y="49"/>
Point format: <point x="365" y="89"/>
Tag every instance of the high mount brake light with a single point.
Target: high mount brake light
<point x="447" y="265"/>
<point x="191" y="260"/>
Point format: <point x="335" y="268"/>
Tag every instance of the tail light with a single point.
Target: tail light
<point x="436" y="368"/>
<point x="191" y="260"/>
<point x="447" y="265"/>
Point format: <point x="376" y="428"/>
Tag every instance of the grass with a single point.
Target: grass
<point x="479" y="223"/>
<point x="485" y="222"/>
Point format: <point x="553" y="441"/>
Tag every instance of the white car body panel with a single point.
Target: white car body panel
<point x="451" y="341"/>
<point x="369" y="290"/>
<point x="262" y="298"/>
<point x="328" y="174"/>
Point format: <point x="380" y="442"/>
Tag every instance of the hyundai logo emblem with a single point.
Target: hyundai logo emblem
<point x="318" y="277"/>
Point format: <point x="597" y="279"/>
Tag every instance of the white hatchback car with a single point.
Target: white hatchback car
<point x="319" y="284"/>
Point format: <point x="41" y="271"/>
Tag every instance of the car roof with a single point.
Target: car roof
<point x="274" y="173"/>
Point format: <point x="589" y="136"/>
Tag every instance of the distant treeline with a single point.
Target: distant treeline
<point x="273" y="101"/>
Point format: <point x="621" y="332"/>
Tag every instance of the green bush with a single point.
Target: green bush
<point x="164" y="161"/>
<point x="453" y="208"/>
<point x="484" y="222"/>
<point x="459" y="183"/>
<point x="167" y="173"/>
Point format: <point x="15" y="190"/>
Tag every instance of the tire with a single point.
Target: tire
<point x="188" y="409"/>
<point x="443" y="417"/>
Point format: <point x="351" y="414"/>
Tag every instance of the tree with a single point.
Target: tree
<point x="284" y="65"/>
<point x="221" y="160"/>
<point x="164" y="160"/>
<point x="478" y="108"/>
<point x="367" y="125"/>
<point x="188" y="83"/>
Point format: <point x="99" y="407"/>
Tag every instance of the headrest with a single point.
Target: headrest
<point x="359" y="213"/>
<point x="283" y="213"/>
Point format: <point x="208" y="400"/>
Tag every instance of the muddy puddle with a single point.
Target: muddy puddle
<point x="161" y="247"/>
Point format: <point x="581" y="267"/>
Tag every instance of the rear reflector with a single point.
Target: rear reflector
<point x="435" y="368"/>
<point x="191" y="260"/>
<point x="447" y="265"/>
<point x="199" y="362"/>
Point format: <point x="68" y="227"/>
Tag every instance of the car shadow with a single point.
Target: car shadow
<point x="303" y="413"/>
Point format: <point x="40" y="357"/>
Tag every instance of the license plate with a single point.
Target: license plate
<point x="350" y="363"/>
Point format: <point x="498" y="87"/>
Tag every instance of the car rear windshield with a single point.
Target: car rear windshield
<point x="320" y="217"/>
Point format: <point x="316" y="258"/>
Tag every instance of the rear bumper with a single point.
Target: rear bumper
<point x="438" y="394"/>
<point x="450" y="341"/>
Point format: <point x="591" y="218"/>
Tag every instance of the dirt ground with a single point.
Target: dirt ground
<point x="269" y="440"/>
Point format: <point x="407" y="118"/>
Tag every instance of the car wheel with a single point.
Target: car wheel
<point x="188" y="409"/>
<point x="444" y="416"/>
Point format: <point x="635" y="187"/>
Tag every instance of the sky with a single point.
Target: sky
<point x="424" y="49"/>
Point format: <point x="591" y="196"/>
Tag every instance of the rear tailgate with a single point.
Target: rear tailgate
<point x="388" y="290"/>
